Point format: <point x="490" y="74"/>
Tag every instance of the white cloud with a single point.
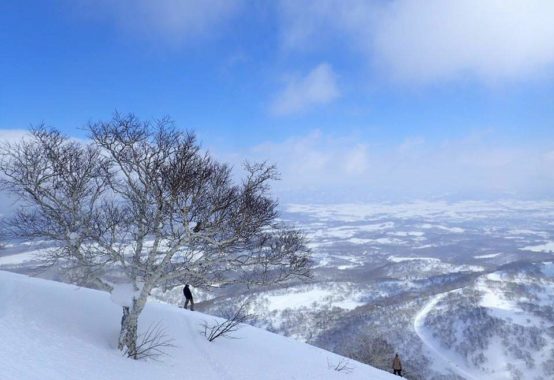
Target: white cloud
<point x="314" y="160"/>
<point x="166" y="22"/>
<point x="426" y="41"/>
<point x="348" y="166"/>
<point x="356" y="160"/>
<point x="12" y="135"/>
<point x="318" y="87"/>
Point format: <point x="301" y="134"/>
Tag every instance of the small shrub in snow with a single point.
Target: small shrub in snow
<point x="232" y="323"/>
<point x="343" y="366"/>
<point x="151" y="344"/>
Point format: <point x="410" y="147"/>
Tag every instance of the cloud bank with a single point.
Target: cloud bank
<point x="428" y="41"/>
<point x="11" y="136"/>
<point x="319" y="166"/>
<point x="475" y="166"/>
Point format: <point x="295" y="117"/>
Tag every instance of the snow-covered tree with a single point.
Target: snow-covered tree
<point x="58" y="184"/>
<point x="158" y="211"/>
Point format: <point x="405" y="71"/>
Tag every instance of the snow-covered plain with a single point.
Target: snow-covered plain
<point x="54" y="331"/>
<point x="546" y="247"/>
<point x="18" y="258"/>
<point x="397" y="259"/>
<point x="296" y="300"/>
<point x="436" y="210"/>
<point x="342" y="232"/>
<point x="489" y="256"/>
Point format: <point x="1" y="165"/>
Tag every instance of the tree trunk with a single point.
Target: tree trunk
<point x="121" y="341"/>
<point x="128" y="334"/>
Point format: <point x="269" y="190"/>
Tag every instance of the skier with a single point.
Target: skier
<point x="188" y="297"/>
<point x="397" y="366"/>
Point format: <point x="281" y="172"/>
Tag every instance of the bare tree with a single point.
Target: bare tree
<point x="155" y="208"/>
<point x="58" y="184"/>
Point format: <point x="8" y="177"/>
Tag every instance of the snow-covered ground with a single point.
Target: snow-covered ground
<point x="453" y="211"/>
<point x="489" y="256"/>
<point x="459" y="232"/>
<point x="546" y="247"/>
<point x="54" y="331"/>
<point x="295" y="300"/>
<point x="443" y="359"/>
<point x="509" y="324"/>
<point x="20" y="258"/>
<point x="398" y="259"/>
<point x="498" y="305"/>
<point x="14" y="257"/>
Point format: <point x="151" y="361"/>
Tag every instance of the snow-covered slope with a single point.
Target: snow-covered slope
<point x="500" y="327"/>
<point x="50" y="330"/>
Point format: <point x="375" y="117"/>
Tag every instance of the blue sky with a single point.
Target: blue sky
<point x="407" y="98"/>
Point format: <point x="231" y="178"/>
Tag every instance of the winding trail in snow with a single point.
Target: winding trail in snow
<point x="440" y="354"/>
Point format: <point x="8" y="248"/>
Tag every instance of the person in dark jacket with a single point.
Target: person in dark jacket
<point x="397" y="366"/>
<point x="188" y="297"/>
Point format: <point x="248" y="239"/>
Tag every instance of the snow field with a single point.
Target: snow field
<point x="54" y="331"/>
<point x="546" y="247"/>
<point x="307" y="297"/>
<point x="489" y="256"/>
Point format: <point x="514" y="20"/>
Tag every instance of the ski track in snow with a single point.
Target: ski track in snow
<point x="428" y="339"/>
<point x="213" y="364"/>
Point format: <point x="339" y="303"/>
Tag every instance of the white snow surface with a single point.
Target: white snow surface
<point x="400" y="259"/>
<point x="546" y="247"/>
<point x="122" y="294"/>
<point x="18" y="258"/>
<point x="297" y="300"/>
<point x="433" y="210"/>
<point x="55" y="331"/>
<point x="23" y="257"/>
<point x="456" y="230"/>
<point x="489" y="256"/>
<point x="443" y="359"/>
<point x="498" y="306"/>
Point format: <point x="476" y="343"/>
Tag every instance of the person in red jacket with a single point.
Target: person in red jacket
<point x="188" y="297"/>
